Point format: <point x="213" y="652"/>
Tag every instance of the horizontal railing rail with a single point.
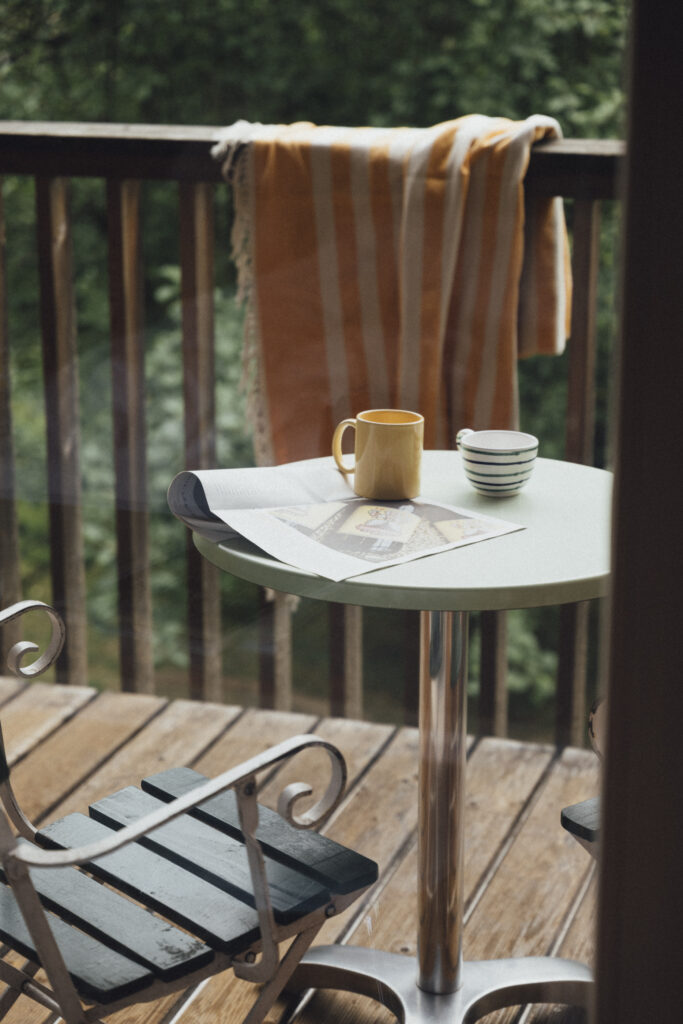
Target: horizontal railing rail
<point x="124" y="157"/>
<point x="573" y="168"/>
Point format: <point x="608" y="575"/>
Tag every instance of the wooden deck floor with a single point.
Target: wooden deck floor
<point x="529" y="886"/>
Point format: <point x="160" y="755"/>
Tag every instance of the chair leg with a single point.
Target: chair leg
<point x="272" y="989"/>
<point x="48" y="951"/>
<point x="11" y="994"/>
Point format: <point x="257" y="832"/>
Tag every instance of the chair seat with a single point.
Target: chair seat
<point x="193" y="870"/>
<point x="160" y="887"/>
<point x="320" y="858"/>
<point x="583" y="820"/>
<point x="98" y="970"/>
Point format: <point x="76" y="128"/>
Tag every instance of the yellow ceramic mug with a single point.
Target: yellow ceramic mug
<point x="388" y="453"/>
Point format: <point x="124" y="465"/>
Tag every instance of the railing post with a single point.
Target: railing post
<point x="346" y="660"/>
<point x="129" y="437"/>
<point x="411" y="668"/>
<point x="10" y="581"/>
<point x="493" y="695"/>
<point x="60" y="372"/>
<point x="197" y="284"/>
<point x="570" y="724"/>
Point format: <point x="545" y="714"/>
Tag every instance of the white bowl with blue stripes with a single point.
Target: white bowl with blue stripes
<point x="497" y="462"/>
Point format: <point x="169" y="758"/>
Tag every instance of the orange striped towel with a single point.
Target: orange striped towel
<point x="391" y="267"/>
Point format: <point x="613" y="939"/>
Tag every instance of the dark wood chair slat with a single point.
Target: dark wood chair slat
<point x="332" y="865"/>
<point x="583" y="819"/>
<point x="213" y="856"/>
<point x="218" y="918"/>
<point x="99" y="972"/>
<point x="120" y="924"/>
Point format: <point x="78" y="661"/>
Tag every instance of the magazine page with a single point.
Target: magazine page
<point x="342" y="539"/>
<point x="203" y="498"/>
<point x="306" y="514"/>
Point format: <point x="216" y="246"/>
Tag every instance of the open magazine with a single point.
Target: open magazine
<point x="305" y="514"/>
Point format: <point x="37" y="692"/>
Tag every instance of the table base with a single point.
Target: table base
<point x="486" y="985"/>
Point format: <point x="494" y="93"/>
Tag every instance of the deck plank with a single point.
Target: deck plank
<point x="501" y="777"/>
<point x="177" y="735"/>
<point x="362" y="823"/>
<point x="360" y="743"/>
<point x="578" y="944"/>
<point x="537" y="884"/>
<point x="250" y="734"/>
<point x="246" y="735"/>
<point x="71" y="755"/>
<point x="522" y="872"/>
<point x="10" y="686"/>
<point x="36" y="711"/>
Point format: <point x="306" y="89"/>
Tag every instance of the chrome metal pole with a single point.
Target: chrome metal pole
<point x="443" y="733"/>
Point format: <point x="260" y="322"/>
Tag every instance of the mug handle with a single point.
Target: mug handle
<point x="337" y="446"/>
<point x="461" y="435"/>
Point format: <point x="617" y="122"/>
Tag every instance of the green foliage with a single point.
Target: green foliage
<point x="330" y="61"/>
<point x="337" y="61"/>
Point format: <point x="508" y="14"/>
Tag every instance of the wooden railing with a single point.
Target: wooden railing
<point x="125" y="156"/>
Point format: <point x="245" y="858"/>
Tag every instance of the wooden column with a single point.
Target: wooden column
<point x="129" y="436"/>
<point x="60" y="375"/>
<point x="570" y="722"/>
<point x="493" y="695"/>
<point x="410" y="621"/>
<point x="346" y="660"/>
<point x="640" y="949"/>
<point x="199" y="388"/>
<point x="10" y="580"/>
<point x="275" y="649"/>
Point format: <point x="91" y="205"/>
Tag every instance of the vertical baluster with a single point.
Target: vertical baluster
<point x="129" y="436"/>
<point x="10" y="579"/>
<point x="411" y="668"/>
<point x="346" y="660"/>
<point x="493" y="695"/>
<point x="266" y="648"/>
<point x="581" y="376"/>
<point x="60" y="373"/>
<point x="196" y="260"/>
<point x="570" y="725"/>
<point x="492" y="705"/>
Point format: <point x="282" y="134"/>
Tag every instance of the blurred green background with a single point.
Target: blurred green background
<point x="332" y="61"/>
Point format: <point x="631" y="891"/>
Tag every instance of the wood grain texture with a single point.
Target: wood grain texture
<point x="219" y="859"/>
<point x="528" y="883"/>
<point x="199" y="408"/>
<point x="119" y="923"/>
<point x="62" y="418"/>
<point x="77" y="749"/>
<point x="502" y="776"/>
<point x="100" y="973"/>
<point x="37" y="711"/>
<point x="250" y="734"/>
<point x="314" y="856"/>
<point x="177" y="734"/>
<point x="568" y="167"/>
<point x="10" y="574"/>
<point x="126" y="300"/>
<point x="583" y="819"/>
<point x="368" y="823"/>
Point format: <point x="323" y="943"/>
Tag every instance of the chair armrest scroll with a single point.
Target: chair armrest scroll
<point x="16" y="653"/>
<point x="34" y="856"/>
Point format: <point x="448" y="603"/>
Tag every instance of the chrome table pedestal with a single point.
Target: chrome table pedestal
<point x="485" y="985"/>
<point x="439" y="986"/>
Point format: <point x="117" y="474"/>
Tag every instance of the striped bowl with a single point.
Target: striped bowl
<point x="497" y="462"/>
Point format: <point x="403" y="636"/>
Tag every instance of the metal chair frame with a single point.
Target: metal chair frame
<point x="261" y="963"/>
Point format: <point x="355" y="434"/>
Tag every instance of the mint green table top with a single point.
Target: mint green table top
<point x="562" y="555"/>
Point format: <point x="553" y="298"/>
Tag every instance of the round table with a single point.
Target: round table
<point x="561" y="556"/>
